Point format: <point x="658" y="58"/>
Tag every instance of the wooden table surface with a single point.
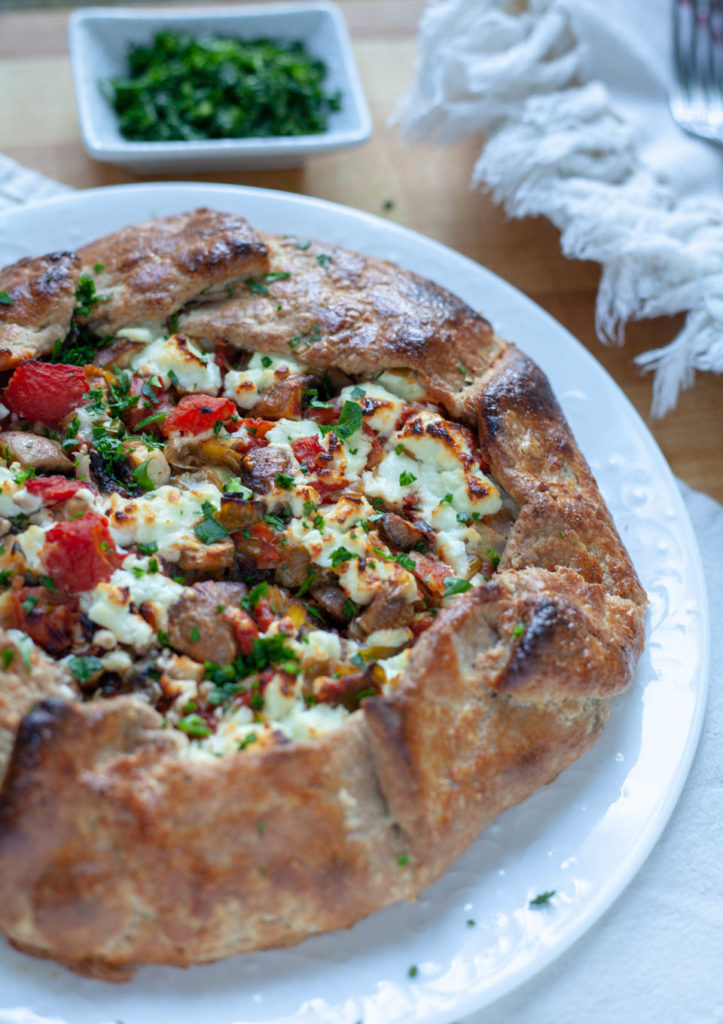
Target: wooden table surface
<point x="427" y="185"/>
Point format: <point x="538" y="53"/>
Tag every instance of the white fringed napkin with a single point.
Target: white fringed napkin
<point x="19" y="185"/>
<point x="572" y="98"/>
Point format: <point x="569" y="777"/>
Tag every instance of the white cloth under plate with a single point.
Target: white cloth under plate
<point x="572" y="98"/>
<point x="656" y="957"/>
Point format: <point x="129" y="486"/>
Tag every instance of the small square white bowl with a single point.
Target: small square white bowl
<point x="99" y="41"/>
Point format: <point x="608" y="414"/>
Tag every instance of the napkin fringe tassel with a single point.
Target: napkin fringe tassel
<point x="558" y="148"/>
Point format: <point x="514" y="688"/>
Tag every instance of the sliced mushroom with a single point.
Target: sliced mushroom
<point x="294" y="569"/>
<point x="121" y="481"/>
<point x="221" y="592"/>
<point x="348" y="690"/>
<point x="208" y="558"/>
<point x="119" y="353"/>
<point x="332" y="599"/>
<point x="285" y="399"/>
<point x="388" y="610"/>
<point x="195" y="626"/>
<point x="261" y="465"/>
<point x="34" y="452"/>
<point x="400" y="533"/>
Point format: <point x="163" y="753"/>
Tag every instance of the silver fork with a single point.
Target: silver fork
<point x="696" y="97"/>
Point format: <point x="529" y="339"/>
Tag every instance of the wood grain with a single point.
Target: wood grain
<point x="428" y="187"/>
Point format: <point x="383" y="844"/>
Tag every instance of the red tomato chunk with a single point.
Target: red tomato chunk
<point x="45" y="392"/>
<point x="250" y="433"/>
<point x="307" y="451"/>
<point x="152" y="400"/>
<point x="263" y="546"/>
<point x="196" y="413"/>
<point x="80" y="554"/>
<point x="50" y="620"/>
<point x="52" y="489"/>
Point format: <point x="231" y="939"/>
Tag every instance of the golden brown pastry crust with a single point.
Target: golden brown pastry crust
<point x="114" y="850"/>
<point x="42" y="291"/>
<point x="25" y="682"/>
<point x="148" y="271"/>
<point x="356" y="313"/>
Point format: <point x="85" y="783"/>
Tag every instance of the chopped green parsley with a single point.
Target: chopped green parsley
<point x="453" y="585"/>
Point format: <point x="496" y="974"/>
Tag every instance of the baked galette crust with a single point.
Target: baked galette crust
<point x="116" y="851"/>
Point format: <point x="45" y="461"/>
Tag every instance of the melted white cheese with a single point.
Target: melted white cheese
<point x="245" y="386"/>
<point x="380" y="408"/>
<point x="194" y="370"/>
<point x="428" y="461"/>
<point x="109" y="606"/>
<point x="32" y="542"/>
<point x="14" y="498"/>
<point x="342" y="529"/>
<point x="115" y="605"/>
<point x="403" y="384"/>
<point x="166" y="516"/>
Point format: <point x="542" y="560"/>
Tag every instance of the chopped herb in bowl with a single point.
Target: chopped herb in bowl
<point x="184" y="89"/>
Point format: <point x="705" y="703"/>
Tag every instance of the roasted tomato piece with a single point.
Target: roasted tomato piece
<point x="264" y="614"/>
<point x="330" y="486"/>
<point x="224" y="356"/>
<point x="432" y="573"/>
<point x="376" y="453"/>
<point x="261" y="544"/>
<point x="80" y="554"/>
<point x="45" y="392"/>
<point x="307" y="451"/>
<point x="324" y="416"/>
<point x="48" y="619"/>
<point x="420" y="625"/>
<point x="196" y="413"/>
<point x="244" y="628"/>
<point x="250" y="433"/>
<point x="152" y="399"/>
<point x="52" y="489"/>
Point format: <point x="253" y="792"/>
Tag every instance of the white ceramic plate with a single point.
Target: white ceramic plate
<point x="584" y="836"/>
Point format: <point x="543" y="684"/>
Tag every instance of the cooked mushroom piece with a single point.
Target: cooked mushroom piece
<point x="119" y="353"/>
<point x="348" y="690"/>
<point x="190" y="453"/>
<point x="294" y="569"/>
<point x="195" y="626"/>
<point x="261" y="466"/>
<point x="285" y="399"/>
<point x="208" y="557"/>
<point x="388" y="610"/>
<point x="33" y="452"/>
<point x="400" y="532"/>
<point x="332" y="600"/>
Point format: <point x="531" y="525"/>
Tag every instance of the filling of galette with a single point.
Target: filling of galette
<point x="250" y="547"/>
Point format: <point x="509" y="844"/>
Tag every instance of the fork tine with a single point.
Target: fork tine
<point x="716" y="27"/>
<point x="696" y="97"/>
<point x="681" y="46"/>
<point x="708" y="19"/>
<point x="703" y="35"/>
